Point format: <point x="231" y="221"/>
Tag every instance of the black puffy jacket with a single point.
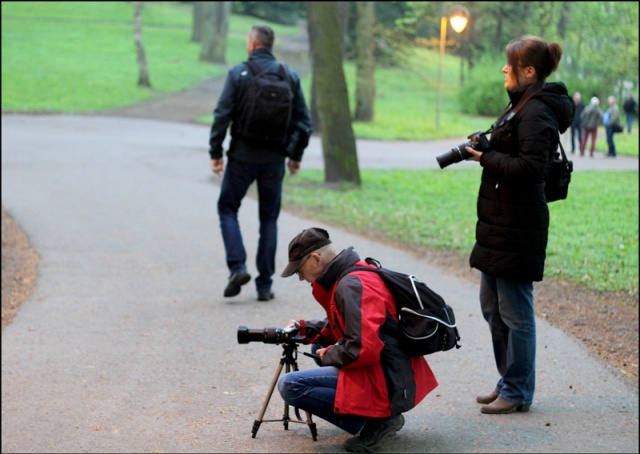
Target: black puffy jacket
<point x="513" y="217"/>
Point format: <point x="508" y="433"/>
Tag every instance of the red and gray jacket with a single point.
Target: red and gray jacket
<point x="377" y="379"/>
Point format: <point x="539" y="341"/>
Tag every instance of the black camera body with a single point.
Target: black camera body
<point x="286" y="335"/>
<point x="478" y="141"/>
<point x="298" y="140"/>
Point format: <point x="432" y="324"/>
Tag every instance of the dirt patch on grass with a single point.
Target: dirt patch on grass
<point x="19" y="265"/>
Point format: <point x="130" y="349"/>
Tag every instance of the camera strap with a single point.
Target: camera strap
<point x="507" y="115"/>
<point x="524" y="101"/>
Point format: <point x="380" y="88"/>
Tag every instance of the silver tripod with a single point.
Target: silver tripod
<point x="288" y="359"/>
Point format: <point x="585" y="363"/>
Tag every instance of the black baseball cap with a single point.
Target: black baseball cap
<point x="303" y="244"/>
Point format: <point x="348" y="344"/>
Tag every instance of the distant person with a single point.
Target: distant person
<point x="513" y="217"/>
<point x="591" y="119"/>
<point x="611" y="121"/>
<point x="630" y="111"/>
<point x="576" y="125"/>
<point x="366" y="381"/>
<point x="261" y="141"/>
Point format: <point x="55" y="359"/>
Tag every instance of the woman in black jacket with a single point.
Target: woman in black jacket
<point x="513" y="217"/>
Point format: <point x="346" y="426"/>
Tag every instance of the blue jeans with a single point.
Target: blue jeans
<point x="610" y="143"/>
<point x="630" y="118"/>
<point x="507" y="306"/>
<point x="574" y="130"/>
<point x="314" y="390"/>
<point x="238" y="176"/>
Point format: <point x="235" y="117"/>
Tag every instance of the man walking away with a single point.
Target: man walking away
<point x="263" y="103"/>
<point x="591" y="118"/>
<point x="576" y="124"/>
<point x="631" y="111"/>
<point x="611" y="121"/>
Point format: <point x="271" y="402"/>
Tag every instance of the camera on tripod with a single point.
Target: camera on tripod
<point x="478" y="141"/>
<point x="269" y="335"/>
<point x="288" y="338"/>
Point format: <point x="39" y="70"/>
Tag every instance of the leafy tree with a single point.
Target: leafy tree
<point x="599" y="40"/>
<point x="338" y="140"/>
<point x="602" y="44"/>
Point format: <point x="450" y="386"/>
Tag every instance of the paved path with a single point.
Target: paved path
<point x="126" y="344"/>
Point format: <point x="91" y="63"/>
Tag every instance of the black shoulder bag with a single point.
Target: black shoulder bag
<point x="556" y="186"/>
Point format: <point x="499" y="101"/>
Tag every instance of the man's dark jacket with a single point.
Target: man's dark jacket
<point x="630" y="106"/>
<point x="238" y="79"/>
<point x="513" y="217"/>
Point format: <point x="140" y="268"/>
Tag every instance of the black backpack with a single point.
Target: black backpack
<point x="264" y="110"/>
<point x="427" y="323"/>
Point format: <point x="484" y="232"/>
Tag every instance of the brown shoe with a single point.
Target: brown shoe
<point x="486" y="399"/>
<point x="502" y="407"/>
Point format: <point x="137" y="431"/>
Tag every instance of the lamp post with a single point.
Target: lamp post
<point x="459" y="17"/>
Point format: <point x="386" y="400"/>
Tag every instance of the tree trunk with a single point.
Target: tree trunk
<point x="198" y="22"/>
<point x="343" y="21"/>
<point x="499" y="22"/>
<point x="215" y="31"/>
<point x="315" y="118"/>
<point x="338" y="141"/>
<point x="143" y="78"/>
<point x="313" y="105"/>
<point x="365" y="61"/>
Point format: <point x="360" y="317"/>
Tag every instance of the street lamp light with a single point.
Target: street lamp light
<point x="459" y="17"/>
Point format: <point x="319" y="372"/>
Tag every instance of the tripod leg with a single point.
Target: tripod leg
<point x="310" y="423"/>
<point x="288" y="358"/>
<point x="285" y="415"/>
<point x="312" y="427"/>
<point x="257" y="422"/>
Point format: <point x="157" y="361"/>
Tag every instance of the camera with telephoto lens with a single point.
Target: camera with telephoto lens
<point x="478" y="141"/>
<point x="286" y="335"/>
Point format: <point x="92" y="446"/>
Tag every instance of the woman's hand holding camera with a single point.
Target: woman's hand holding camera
<point x="475" y="154"/>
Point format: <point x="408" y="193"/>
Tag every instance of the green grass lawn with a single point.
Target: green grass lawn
<point x="74" y="57"/>
<point x="593" y="237"/>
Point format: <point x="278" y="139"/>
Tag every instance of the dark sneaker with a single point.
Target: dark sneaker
<point x="237" y="280"/>
<point x="374" y="433"/>
<point x="266" y="296"/>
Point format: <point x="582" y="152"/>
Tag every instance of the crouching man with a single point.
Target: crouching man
<point x="366" y="381"/>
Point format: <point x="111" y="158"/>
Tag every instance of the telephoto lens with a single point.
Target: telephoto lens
<point x="267" y="335"/>
<point x="246" y="335"/>
<point x="456" y="154"/>
<point x="478" y="141"/>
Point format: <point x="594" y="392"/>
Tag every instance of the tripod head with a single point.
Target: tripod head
<point x="290" y="354"/>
